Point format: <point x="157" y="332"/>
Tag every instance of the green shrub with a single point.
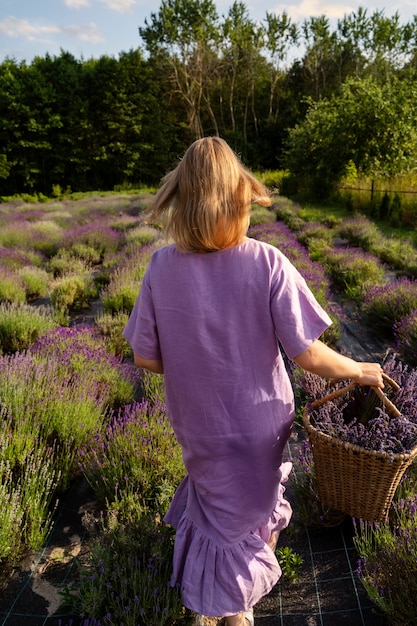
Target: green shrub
<point x="64" y="263"/>
<point x="111" y="327"/>
<point x="353" y="271"/>
<point x="261" y="215"/>
<point x="138" y="450"/>
<point x="22" y="324"/>
<point x="73" y="291"/>
<point x="86" y="253"/>
<point x="142" y="235"/>
<point x="315" y="235"/>
<point x="35" y="280"/>
<point x="133" y="561"/>
<point x="385" y="306"/>
<point x="12" y="287"/>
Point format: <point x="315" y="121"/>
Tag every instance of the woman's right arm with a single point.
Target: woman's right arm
<point x="322" y="360"/>
<point x="153" y="365"/>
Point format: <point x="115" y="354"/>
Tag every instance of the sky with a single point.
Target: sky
<point x="92" y="28"/>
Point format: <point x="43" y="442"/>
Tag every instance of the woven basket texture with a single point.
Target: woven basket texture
<point x="350" y="479"/>
<point x="353" y="480"/>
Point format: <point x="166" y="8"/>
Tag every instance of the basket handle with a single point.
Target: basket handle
<point x="340" y="392"/>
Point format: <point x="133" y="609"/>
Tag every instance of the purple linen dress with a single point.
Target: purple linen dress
<point x="214" y="319"/>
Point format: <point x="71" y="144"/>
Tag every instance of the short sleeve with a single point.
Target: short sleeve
<point x="298" y="318"/>
<point x="141" y="330"/>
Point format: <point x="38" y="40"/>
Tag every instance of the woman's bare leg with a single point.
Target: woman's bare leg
<point x="236" y="620"/>
<point x="273" y="540"/>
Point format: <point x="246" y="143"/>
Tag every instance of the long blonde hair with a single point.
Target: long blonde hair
<point x="204" y="203"/>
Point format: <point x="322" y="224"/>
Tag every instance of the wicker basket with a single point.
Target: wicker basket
<point x="351" y="479"/>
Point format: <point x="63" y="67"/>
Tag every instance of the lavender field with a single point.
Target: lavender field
<point x="72" y="403"/>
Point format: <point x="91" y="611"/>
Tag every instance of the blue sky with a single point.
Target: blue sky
<point x="91" y="28"/>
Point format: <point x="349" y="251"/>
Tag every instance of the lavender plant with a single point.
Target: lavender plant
<point x="405" y="335"/>
<point x="310" y="510"/>
<point x="81" y="354"/>
<point x="360" y="231"/>
<point x="386" y="305"/>
<point x="353" y="271"/>
<point x="399" y="253"/>
<point x="124" y="285"/>
<point x="96" y="234"/>
<point x="22" y="324"/>
<point x="136" y="454"/>
<point x="111" y="328"/>
<point x="14" y="258"/>
<point x="387" y="565"/>
<point x="356" y="417"/>
<point x="28" y="482"/>
<point x="315" y="235"/>
<point x="73" y="291"/>
<point x="35" y="280"/>
<point x="12" y="287"/>
<point x="142" y="235"/>
<point x="126" y="579"/>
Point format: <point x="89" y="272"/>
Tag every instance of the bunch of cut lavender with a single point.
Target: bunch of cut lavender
<point x="359" y="418"/>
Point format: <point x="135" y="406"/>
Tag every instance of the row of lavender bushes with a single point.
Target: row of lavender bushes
<point x="387" y="563"/>
<point x="72" y="404"/>
<point x="378" y="272"/>
<point x="123" y="447"/>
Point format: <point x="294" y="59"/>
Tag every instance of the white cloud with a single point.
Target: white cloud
<point x="314" y="8"/>
<point x="14" y="27"/>
<point x="76" y="4"/>
<point x="121" y="6"/>
<point x="84" y="32"/>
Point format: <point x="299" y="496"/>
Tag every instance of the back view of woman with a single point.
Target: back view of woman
<point x="214" y="310"/>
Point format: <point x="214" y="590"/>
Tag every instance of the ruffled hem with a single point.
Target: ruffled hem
<point x="224" y="579"/>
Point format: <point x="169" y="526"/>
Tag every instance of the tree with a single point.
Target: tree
<point x="367" y="124"/>
<point x="280" y="34"/>
<point x="182" y="36"/>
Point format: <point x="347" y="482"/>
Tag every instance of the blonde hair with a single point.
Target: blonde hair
<point x="204" y="203"/>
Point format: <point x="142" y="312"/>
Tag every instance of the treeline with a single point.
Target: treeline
<point x="271" y="89"/>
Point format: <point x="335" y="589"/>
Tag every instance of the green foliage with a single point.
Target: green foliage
<point x="126" y="578"/>
<point x="352" y="271"/>
<point x="12" y="287"/>
<point x="139" y="452"/>
<point x="386" y="306"/>
<point x="124" y="284"/>
<point x="261" y="215"/>
<point x="72" y="291"/>
<point x="142" y="235"/>
<point x="111" y="328"/>
<point x="64" y="263"/>
<point x="387" y="565"/>
<point x="107" y="123"/>
<point x="289" y="561"/>
<point x="22" y="324"/>
<point x="36" y="281"/>
<point x="355" y="126"/>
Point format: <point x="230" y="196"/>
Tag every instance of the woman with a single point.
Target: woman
<point x="214" y="311"/>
